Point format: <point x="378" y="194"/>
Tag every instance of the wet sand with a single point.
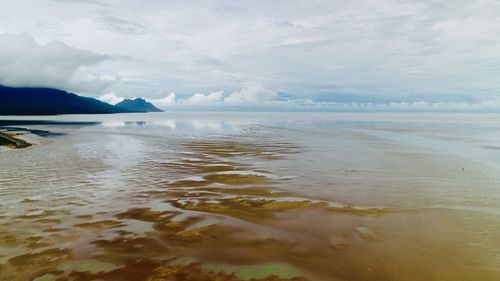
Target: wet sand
<point x="126" y="201"/>
<point x="12" y="140"/>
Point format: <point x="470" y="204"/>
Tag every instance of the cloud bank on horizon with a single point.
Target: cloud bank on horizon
<point x="312" y="54"/>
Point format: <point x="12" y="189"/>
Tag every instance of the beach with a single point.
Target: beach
<point x="11" y="140"/>
<point x="252" y="196"/>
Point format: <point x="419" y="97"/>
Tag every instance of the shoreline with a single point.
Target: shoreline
<point x="12" y="141"/>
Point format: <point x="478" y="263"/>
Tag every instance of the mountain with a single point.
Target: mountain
<point x="46" y="101"/>
<point x="137" y="105"/>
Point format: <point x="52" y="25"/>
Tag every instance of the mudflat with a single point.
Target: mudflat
<point x="253" y="197"/>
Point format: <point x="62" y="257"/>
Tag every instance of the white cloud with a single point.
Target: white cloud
<point x="253" y="95"/>
<point x="24" y="62"/>
<point x="259" y="97"/>
<point x="111" y="98"/>
<point x="203" y="100"/>
<point x="165" y="101"/>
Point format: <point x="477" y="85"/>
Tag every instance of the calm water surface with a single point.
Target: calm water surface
<point x="252" y="196"/>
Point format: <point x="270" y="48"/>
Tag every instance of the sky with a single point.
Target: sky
<point x="277" y="54"/>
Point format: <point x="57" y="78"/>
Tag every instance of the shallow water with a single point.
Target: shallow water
<point x="236" y="196"/>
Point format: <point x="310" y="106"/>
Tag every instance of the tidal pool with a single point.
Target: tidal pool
<point x="252" y="196"/>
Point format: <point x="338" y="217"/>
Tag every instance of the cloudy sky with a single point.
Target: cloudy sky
<point x="312" y="54"/>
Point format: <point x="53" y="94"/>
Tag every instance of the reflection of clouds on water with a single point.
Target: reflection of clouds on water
<point x="220" y="125"/>
<point x="119" y="154"/>
<point x="216" y="125"/>
<point x="182" y="125"/>
<point x="122" y="151"/>
<point x="169" y="123"/>
<point x="113" y="124"/>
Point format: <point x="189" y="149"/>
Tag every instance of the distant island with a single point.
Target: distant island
<point x="46" y="101"/>
<point x="137" y="105"/>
